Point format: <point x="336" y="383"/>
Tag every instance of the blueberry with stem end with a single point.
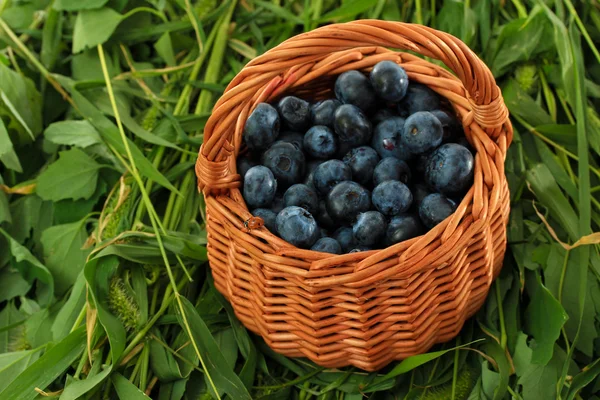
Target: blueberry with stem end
<point x="262" y="127"/>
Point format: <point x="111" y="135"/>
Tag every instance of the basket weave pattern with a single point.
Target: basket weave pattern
<point x="362" y="309"/>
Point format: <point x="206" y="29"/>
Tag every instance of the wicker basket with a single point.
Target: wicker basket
<point x="362" y="309"/>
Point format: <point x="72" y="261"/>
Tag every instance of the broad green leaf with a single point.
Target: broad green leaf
<point x="7" y="152"/>
<point x="52" y="37"/>
<point x="71" y="5"/>
<point x="47" y="368"/>
<point x="26" y="211"/>
<point x="227" y="344"/>
<point x="66" y="211"/>
<point x="73" y="133"/>
<point x="127" y="390"/>
<point x="164" y="48"/>
<point x="218" y="372"/>
<point x="162" y="361"/>
<point x="31" y="269"/>
<point x="583" y="379"/>
<point x="545" y="317"/>
<point x="12" y="284"/>
<point x="12" y="329"/>
<point x="457" y="20"/>
<point x="77" y="389"/>
<point x="66" y="317"/>
<point x="521" y="104"/>
<point x="13" y="364"/>
<point x="73" y="176"/>
<point x="94" y="27"/>
<point x="63" y="253"/>
<point x="172" y="390"/>
<point x="4" y="212"/>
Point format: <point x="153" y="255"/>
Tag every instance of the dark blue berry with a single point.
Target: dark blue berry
<point x="450" y="169"/>
<point x="389" y="80"/>
<point x="323" y="218"/>
<point x="345" y="238"/>
<point x="351" y="125"/>
<point x="360" y="249"/>
<point x="391" y="169"/>
<point x="302" y="196"/>
<point x="392" y="197"/>
<point x="386" y="139"/>
<point x="352" y="87"/>
<point x="362" y="160"/>
<point x="323" y="112"/>
<point x="382" y="114"/>
<point x="329" y="174"/>
<point x="269" y="217"/>
<point x="297" y="226"/>
<point x="369" y="228"/>
<point x="244" y="164"/>
<point x="418" y="98"/>
<point x="286" y="162"/>
<point x="422" y="132"/>
<point x="403" y="227"/>
<point x="435" y="208"/>
<point x="319" y="142"/>
<point x="346" y="200"/>
<point x="295" y="113"/>
<point x="295" y="138"/>
<point x="450" y="126"/>
<point x="327" y="245"/>
<point x="259" y="187"/>
<point x="262" y="127"/>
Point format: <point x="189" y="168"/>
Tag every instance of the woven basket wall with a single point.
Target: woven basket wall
<point x="362" y="309"/>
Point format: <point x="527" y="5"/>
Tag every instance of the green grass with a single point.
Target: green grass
<point x="105" y="291"/>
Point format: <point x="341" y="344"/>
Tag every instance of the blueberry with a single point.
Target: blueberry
<point x="360" y="248"/>
<point x="450" y="169"/>
<point x="323" y="111"/>
<point x="419" y="192"/>
<point x="352" y="87"/>
<point x="278" y="204"/>
<point x="422" y="132"/>
<point x="391" y="169"/>
<point x="346" y="200"/>
<point x="329" y="174"/>
<point x="295" y="113"/>
<point x="297" y="226"/>
<point x="403" y="227"/>
<point x="259" y="187"/>
<point x="327" y="245"/>
<point x="269" y="217"/>
<point x="319" y="142"/>
<point x="392" y="197"/>
<point x="309" y="173"/>
<point x="362" y="161"/>
<point x="435" y="208"/>
<point x="244" y="164"/>
<point x="450" y="126"/>
<point x="369" y="228"/>
<point x="386" y="139"/>
<point x="262" y="127"/>
<point x="286" y="162"/>
<point x="302" y="196"/>
<point x="295" y="138"/>
<point x="389" y="80"/>
<point x="345" y="238"/>
<point x="323" y="218"/>
<point x="382" y="114"/>
<point x="418" y="98"/>
<point x="352" y="126"/>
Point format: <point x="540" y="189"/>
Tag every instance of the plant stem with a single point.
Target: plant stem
<point x="503" y="337"/>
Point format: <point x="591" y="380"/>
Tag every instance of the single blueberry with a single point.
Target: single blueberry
<point x="360" y="249"/>
<point x="369" y="228"/>
<point x="286" y="162"/>
<point x="403" y="227"/>
<point x="352" y="126"/>
<point x="327" y="245"/>
<point x="302" y="196"/>
<point x="382" y="114"/>
<point x="329" y="174"/>
<point x="422" y="132"/>
<point x="262" y="127"/>
<point x="323" y="218"/>
<point x="435" y="208"/>
<point x="323" y="112"/>
<point x="345" y="238"/>
<point x="295" y="138"/>
<point x="391" y="169"/>
<point x="278" y="204"/>
<point x="319" y="142"/>
<point x="297" y="226"/>
<point x="362" y="160"/>
<point x="392" y="197"/>
<point x="352" y="87"/>
<point x="386" y="139"/>
<point x="259" y="187"/>
<point x="450" y="126"/>
<point x="244" y="163"/>
<point x="389" y="80"/>
<point x="450" y="169"/>
<point x="418" y="98"/>
<point x="295" y="113"/>
<point x="269" y="217"/>
<point x="346" y="200"/>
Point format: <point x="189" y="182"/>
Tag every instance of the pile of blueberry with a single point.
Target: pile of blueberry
<point x="380" y="164"/>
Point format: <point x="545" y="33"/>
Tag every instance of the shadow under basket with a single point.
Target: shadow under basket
<point x="363" y="309"/>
